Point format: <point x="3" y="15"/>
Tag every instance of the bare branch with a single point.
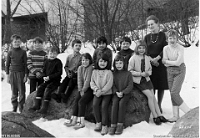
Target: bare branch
<point x="15" y="9"/>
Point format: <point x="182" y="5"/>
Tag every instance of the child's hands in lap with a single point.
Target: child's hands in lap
<point x="119" y="94"/>
<point x="98" y="93"/>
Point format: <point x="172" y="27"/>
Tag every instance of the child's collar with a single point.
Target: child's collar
<point x="76" y="53"/>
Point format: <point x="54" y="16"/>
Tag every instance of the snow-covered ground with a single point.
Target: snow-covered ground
<point x="189" y="92"/>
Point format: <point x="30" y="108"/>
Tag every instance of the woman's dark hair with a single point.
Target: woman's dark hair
<point x="140" y="43"/>
<point x="152" y="17"/>
<point x="87" y="56"/>
<point x="119" y="58"/>
<point x="102" y="39"/>
<point x="125" y="39"/>
<point x="103" y="57"/>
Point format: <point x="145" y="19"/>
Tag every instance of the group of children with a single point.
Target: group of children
<point x="94" y="77"/>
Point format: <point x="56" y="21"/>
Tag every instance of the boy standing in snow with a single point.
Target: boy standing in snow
<point x="35" y="64"/>
<point x="173" y="59"/>
<point x="72" y="63"/>
<point x="102" y="49"/>
<point x="52" y="72"/>
<point x="16" y="70"/>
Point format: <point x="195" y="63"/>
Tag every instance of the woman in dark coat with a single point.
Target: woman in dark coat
<point x="155" y="41"/>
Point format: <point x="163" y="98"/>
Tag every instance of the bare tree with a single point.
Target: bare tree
<point x="8" y="16"/>
<point x="62" y="25"/>
<point x="66" y="28"/>
<point x="105" y="17"/>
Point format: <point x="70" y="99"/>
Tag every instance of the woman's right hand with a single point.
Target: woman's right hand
<point x="155" y="63"/>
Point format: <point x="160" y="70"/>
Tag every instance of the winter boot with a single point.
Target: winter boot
<point x="44" y="108"/>
<point x="80" y="124"/>
<point x="72" y="122"/>
<point x="119" y="129"/>
<point x="184" y="107"/>
<point x="104" y="130"/>
<point x="37" y="104"/>
<point x="112" y="129"/>
<point x="14" y="108"/>
<point x="98" y="127"/>
<point x="21" y="108"/>
<point x="175" y="114"/>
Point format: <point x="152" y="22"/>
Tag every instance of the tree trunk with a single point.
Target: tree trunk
<point x="8" y="31"/>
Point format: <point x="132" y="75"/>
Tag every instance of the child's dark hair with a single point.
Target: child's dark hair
<point x="15" y="37"/>
<point x="38" y="39"/>
<point x="140" y="43"/>
<point x="119" y="58"/>
<point x="125" y="39"/>
<point x="102" y="39"/>
<point x="88" y="56"/>
<point x="54" y="49"/>
<point x="76" y="41"/>
<point x="103" y="57"/>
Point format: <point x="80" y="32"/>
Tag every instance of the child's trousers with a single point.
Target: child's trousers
<point x="176" y="75"/>
<point x="18" y="88"/>
<point x="81" y="103"/>
<point x="71" y="83"/>
<point x="34" y="83"/>
<point x="101" y="104"/>
<point x="118" y="108"/>
<point x="46" y="89"/>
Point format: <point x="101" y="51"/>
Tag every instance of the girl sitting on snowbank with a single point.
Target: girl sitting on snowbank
<point x="140" y="67"/>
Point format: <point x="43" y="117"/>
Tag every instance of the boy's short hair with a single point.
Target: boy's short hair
<point x="140" y="43"/>
<point x="15" y="37"/>
<point x="76" y="41"/>
<point x="119" y="58"/>
<point x="31" y="40"/>
<point x="38" y="39"/>
<point x="54" y="49"/>
<point x="152" y="17"/>
<point x="87" y="56"/>
<point x="126" y="39"/>
<point x="172" y="32"/>
<point x="102" y="39"/>
<point x="105" y="58"/>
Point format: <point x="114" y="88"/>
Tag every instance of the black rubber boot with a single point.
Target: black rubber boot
<point x="44" y="108"/>
<point x="36" y="106"/>
<point x="14" y="109"/>
<point x="21" y="107"/>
